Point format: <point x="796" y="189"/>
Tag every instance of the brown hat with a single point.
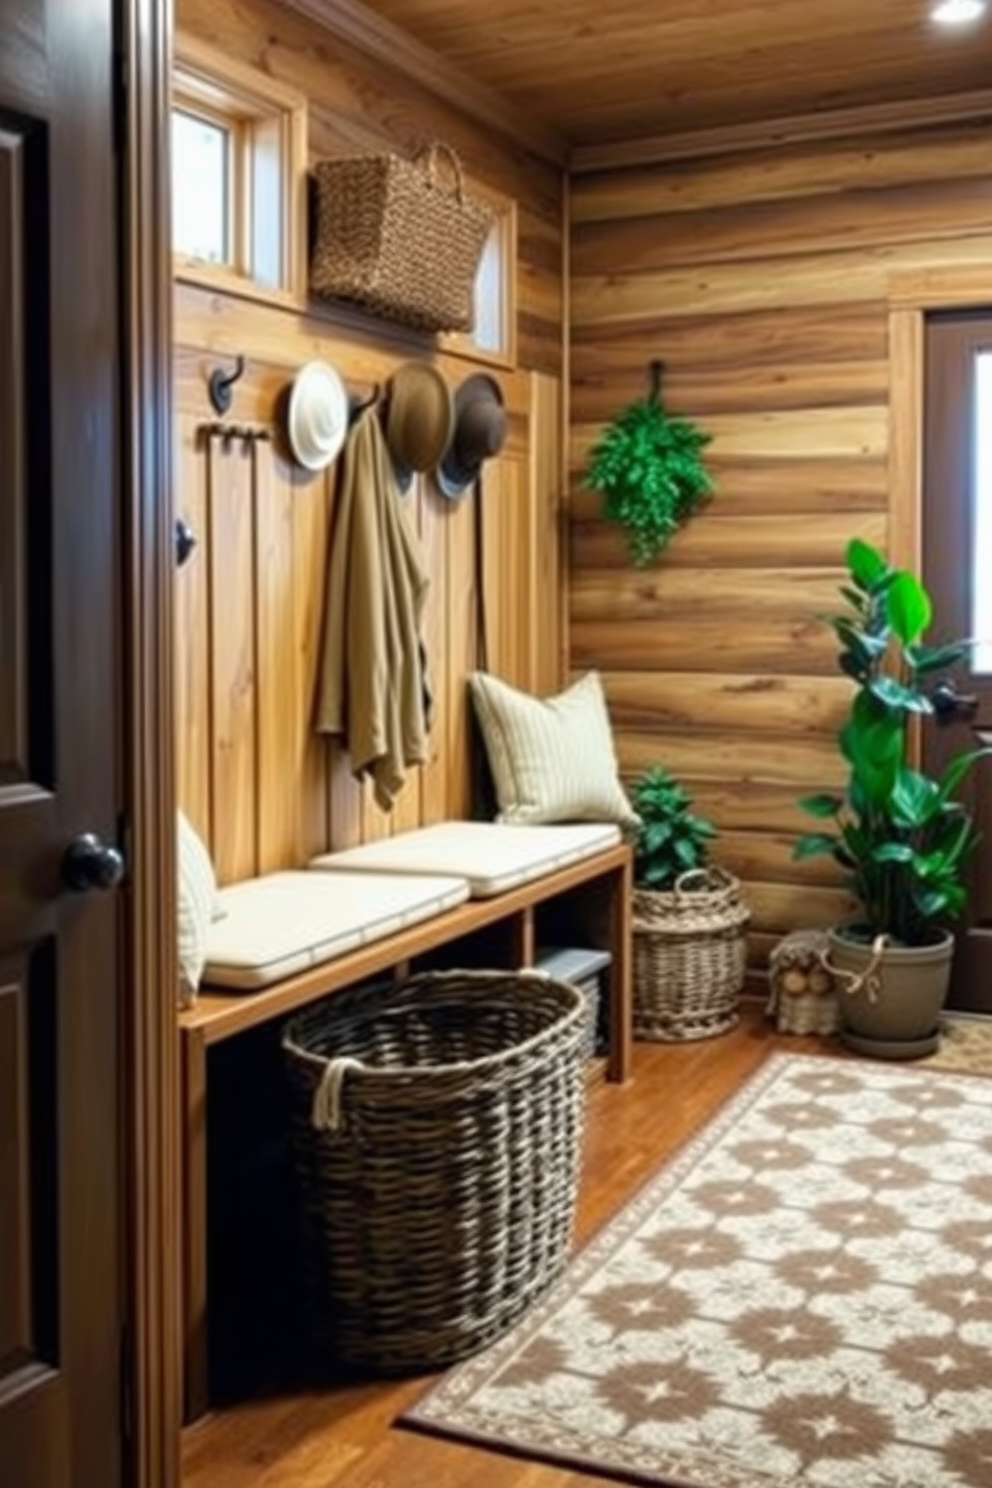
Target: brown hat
<point x="420" y="419"/>
<point x="480" y="430"/>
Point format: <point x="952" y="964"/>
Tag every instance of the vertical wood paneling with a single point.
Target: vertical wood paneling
<point x="233" y="697"/>
<point x="545" y="536"/>
<point x="311" y="511"/>
<point x="507" y="550"/>
<point x="764" y="283"/>
<point x="462" y="653"/>
<point x="279" y="713"/>
<point x="192" y="619"/>
<point x="408" y="810"/>
<point x="433" y="538"/>
<point x="265" y="789"/>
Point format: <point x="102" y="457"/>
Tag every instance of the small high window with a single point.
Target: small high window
<point x="238" y="176"/>
<point x="202" y="175"/>
<point x="493" y="335"/>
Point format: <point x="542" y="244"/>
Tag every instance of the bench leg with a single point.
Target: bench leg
<point x="621" y="974"/>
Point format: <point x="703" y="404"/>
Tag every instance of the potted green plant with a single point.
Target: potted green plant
<point x="902" y="837"/>
<point x="689" y="919"/>
<point x="648" y="466"/>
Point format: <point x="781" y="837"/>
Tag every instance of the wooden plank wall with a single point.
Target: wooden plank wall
<point x="264" y="790"/>
<point x="763" y="283"/>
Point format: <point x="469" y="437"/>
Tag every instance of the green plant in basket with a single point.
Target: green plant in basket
<point x="671" y="839"/>
<point x="688" y="919"/>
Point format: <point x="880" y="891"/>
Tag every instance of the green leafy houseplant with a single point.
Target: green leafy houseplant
<point x="901" y="836"/>
<point x="689" y="920"/>
<point x="671" y="839"/>
<point x="649" y="469"/>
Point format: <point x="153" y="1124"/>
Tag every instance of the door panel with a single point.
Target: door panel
<point x="956" y="517"/>
<point x="60" y="1203"/>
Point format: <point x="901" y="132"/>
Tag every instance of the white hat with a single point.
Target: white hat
<point x="318" y="415"/>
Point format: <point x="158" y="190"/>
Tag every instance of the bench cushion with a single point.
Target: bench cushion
<point x="493" y="857"/>
<point x="283" y="923"/>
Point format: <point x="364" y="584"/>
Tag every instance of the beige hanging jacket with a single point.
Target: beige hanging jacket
<point x="371" y="688"/>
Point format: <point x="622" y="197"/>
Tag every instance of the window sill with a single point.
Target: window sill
<point x="226" y="281"/>
<point x="453" y="343"/>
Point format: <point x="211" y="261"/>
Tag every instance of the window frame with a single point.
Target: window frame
<point x="259" y="112"/>
<point x="463" y="343"/>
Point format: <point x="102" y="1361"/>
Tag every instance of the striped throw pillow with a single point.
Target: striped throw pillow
<point x="552" y="759"/>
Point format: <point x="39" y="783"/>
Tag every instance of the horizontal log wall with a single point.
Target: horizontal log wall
<point x="763" y="282"/>
<point x="264" y="789"/>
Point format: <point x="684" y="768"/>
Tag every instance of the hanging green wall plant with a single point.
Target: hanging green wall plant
<point x="649" y="469"/>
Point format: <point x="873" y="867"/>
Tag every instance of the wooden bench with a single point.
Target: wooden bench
<point x="590" y="899"/>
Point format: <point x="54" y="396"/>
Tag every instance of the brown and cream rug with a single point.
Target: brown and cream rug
<point x="965" y="1044"/>
<point x="802" y="1296"/>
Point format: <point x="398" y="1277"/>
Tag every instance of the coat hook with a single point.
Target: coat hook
<point x="220" y="384"/>
<point x="185" y="540"/>
<point x="357" y="405"/>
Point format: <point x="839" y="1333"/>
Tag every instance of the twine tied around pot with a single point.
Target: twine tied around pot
<point x="868" y="979"/>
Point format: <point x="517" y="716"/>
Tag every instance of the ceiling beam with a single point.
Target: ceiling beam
<point x="867" y="119"/>
<point x="352" y="22"/>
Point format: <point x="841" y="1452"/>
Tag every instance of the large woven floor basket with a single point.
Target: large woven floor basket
<point x="689" y="957"/>
<point x="437" y="1128"/>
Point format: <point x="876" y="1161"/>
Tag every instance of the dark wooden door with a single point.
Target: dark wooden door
<point x="957" y="544"/>
<point x="60" y="598"/>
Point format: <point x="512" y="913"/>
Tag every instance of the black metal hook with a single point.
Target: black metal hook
<point x="359" y="405"/>
<point x="657" y="369"/>
<point x="185" y="540"/>
<point x="220" y="383"/>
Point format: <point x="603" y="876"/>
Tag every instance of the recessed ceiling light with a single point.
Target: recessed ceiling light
<point x="957" y="12"/>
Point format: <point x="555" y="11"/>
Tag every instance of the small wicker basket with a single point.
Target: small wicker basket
<point x="437" y="1129"/>
<point x="402" y="238"/>
<point x="689" y="957"/>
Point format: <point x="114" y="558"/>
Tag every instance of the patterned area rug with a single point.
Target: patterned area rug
<point x="965" y="1044"/>
<point x="802" y="1296"/>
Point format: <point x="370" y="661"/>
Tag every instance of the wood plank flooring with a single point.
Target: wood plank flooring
<point x="342" y="1435"/>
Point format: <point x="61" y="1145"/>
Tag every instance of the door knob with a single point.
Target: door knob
<point x="949" y="704"/>
<point x="89" y="863"/>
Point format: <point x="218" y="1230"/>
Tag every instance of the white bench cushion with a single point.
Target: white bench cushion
<point x="282" y="923"/>
<point x="493" y="857"/>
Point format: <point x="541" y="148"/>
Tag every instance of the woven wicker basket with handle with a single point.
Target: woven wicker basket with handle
<point x="437" y="1128"/>
<point x="689" y="956"/>
<point x="401" y="238"/>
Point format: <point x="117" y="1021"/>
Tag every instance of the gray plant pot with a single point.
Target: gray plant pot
<point x="890" y="1004"/>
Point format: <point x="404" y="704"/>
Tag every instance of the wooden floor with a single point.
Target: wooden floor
<point x="343" y="1436"/>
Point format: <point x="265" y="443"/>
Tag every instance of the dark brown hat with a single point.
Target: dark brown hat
<point x="480" y="431"/>
<point x="420" y="419"/>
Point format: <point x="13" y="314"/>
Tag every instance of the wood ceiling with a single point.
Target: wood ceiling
<point x="597" y="72"/>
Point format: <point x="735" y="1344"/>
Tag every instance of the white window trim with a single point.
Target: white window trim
<point x="224" y="88"/>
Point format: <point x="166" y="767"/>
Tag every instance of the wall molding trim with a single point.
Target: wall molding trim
<point x="833" y="124"/>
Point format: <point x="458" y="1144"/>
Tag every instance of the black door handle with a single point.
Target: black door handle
<point x="950" y="705"/>
<point x="89" y="863"/>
